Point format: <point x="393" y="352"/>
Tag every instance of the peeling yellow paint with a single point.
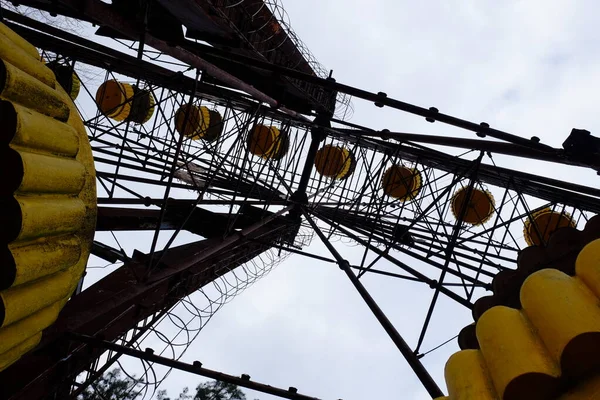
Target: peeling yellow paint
<point x="49" y="197"/>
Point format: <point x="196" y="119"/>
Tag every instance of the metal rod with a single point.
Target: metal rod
<point x="448" y="253"/>
<point x="510" y="149"/>
<point x="405" y="267"/>
<point x="195" y="368"/>
<point x="426" y="379"/>
<point x="103" y="13"/>
<point x="163" y="208"/>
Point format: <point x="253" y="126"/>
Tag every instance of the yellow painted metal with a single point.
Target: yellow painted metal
<point x="50" y="174"/>
<point x="36" y="132"/>
<point x="122" y="101"/>
<point x="26" y="90"/>
<point x="560" y="307"/>
<point x="334" y="162"/>
<point x="267" y="142"/>
<point x="587" y="266"/>
<point x="467" y="378"/>
<point x="543" y="223"/>
<point x="547" y="347"/>
<point x="18" y="57"/>
<point x="588" y="390"/>
<point x="201" y="123"/>
<point x="23" y="300"/>
<point x="401" y="182"/>
<point x="196" y="124"/>
<point x="151" y="106"/>
<point x="480" y="205"/>
<point x="523" y="367"/>
<point x="75" y="87"/>
<point x="25" y="328"/>
<point x="12" y="355"/>
<point x="114" y="99"/>
<point x="34" y="260"/>
<point x="49" y="215"/>
<point x="19" y="41"/>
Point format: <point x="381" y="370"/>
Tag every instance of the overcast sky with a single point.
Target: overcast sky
<point x="526" y="67"/>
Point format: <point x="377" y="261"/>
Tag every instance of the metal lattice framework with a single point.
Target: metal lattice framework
<point x="252" y="212"/>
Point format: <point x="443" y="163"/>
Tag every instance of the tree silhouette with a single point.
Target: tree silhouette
<point x="111" y="387"/>
<point x="214" y="390"/>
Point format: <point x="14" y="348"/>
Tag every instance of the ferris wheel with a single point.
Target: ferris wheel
<point x="226" y="150"/>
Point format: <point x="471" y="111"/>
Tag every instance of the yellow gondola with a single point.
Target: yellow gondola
<point x="201" y="123"/>
<point x="543" y="223"/>
<point x="268" y="142"/>
<point x="480" y="206"/>
<point x="401" y="182"/>
<point x="66" y="77"/>
<point x="335" y="162"/>
<point x="124" y="102"/>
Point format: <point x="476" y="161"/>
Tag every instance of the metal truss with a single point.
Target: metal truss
<point x="252" y="211"/>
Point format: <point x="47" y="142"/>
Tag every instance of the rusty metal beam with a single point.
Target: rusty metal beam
<point x="102" y="14"/>
<point x="119" y="301"/>
<point x="195" y="368"/>
<point x="202" y="222"/>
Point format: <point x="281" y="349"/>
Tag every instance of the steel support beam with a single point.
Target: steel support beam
<point x="202" y="222"/>
<point x="101" y="13"/>
<point x="509" y="149"/>
<point x="416" y="365"/>
<point x="545" y="188"/>
<point x="195" y="368"/>
<point x="119" y="301"/>
<point x="393" y="260"/>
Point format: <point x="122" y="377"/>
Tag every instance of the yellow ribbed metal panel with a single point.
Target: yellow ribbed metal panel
<point x="18" y="57"/>
<point x="560" y="307"/>
<point x="12" y="355"/>
<point x="26" y="299"/>
<point x="26" y="128"/>
<point x="23" y="329"/>
<point x="40" y="258"/>
<point x="48" y="197"/>
<point x="467" y="378"/>
<point x="49" y="216"/>
<point x="24" y="89"/>
<point x="48" y="174"/>
<point x="524" y="366"/>
<point x="587" y="266"/>
<point x="19" y="41"/>
<point x="547" y="347"/>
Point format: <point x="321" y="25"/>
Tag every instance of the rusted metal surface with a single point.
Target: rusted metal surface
<point x="119" y="301"/>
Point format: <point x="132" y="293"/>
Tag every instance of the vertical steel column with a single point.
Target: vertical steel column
<point x="426" y="379"/>
<point x="317" y="133"/>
